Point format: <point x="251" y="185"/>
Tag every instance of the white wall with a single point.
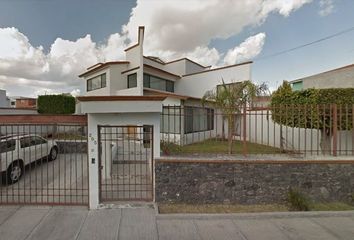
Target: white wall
<point x="117" y="80"/>
<point x="263" y="130"/>
<point x="115" y="119"/>
<point x="178" y="68"/>
<point x="341" y="78"/>
<point x="171" y="101"/>
<point x="4" y="102"/>
<point x="197" y="84"/>
<point x="192" y="67"/>
<point x="128" y="92"/>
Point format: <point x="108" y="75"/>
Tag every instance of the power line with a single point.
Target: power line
<point x="305" y="45"/>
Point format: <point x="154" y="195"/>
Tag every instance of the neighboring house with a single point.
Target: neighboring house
<point x="342" y="77"/>
<point x="23" y="102"/>
<point x="183" y="82"/>
<point x="4" y="100"/>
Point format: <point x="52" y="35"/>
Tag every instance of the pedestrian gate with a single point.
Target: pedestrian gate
<point x="126" y="163"/>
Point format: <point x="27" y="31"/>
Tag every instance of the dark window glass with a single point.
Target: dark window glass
<point x="146" y="80"/>
<point x="198" y="119"/>
<point x="39" y="140"/>
<point x="96" y="82"/>
<point x="103" y="80"/>
<point x="158" y="83"/>
<point x="25" y="142"/>
<point x="7" y="146"/>
<point x="188" y="120"/>
<point x="89" y="85"/>
<point x="132" y="82"/>
<point x="170" y="86"/>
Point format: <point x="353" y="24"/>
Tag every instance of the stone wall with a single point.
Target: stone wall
<point x="75" y="146"/>
<point x="252" y="182"/>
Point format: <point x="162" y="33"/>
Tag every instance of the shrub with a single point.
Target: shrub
<point x="298" y="201"/>
<point x="311" y="108"/>
<point x="56" y="104"/>
<point x="313" y="115"/>
<point x="168" y="148"/>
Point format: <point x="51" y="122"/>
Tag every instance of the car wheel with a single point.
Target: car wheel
<point x="53" y="153"/>
<point x="14" y="172"/>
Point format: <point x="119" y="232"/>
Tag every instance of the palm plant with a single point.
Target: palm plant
<point x="231" y="98"/>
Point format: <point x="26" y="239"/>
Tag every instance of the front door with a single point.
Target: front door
<point x="126" y="163"/>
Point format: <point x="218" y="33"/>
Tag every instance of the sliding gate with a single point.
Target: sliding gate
<point x="43" y="164"/>
<point x="126" y="163"/>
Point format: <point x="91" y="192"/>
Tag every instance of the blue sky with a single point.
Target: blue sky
<point x="75" y="34"/>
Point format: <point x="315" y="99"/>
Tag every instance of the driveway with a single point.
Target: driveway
<point x="42" y="223"/>
<point x="64" y="180"/>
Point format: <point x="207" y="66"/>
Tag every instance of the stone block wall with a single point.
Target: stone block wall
<point x="67" y="146"/>
<point x="252" y="182"/>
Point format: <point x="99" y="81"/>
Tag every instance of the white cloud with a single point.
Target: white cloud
<point x="75" y="92"/>
<point x="24" y="65"/>
<point x="173" y="29"/>
<point x="195" y="24"/>
<point x="326" y="7"/>
<point x="247" y="50"/>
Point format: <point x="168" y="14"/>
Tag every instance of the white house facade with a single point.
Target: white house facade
<point x="182" y="82"/>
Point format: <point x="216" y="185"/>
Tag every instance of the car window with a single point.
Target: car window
<point x="31" y="141"/>
<point x="7" y="146"/>
<point x="25" y="142"/>
<point x="39" y="140"/>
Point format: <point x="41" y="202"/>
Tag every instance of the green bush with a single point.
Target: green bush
<point x="310" y="108"/>
<point x="56" y="104"/>
<point x="168" y="148"/>
<point x="298" y="201"/>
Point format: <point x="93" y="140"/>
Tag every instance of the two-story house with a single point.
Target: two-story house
<point x="183" y="82"/>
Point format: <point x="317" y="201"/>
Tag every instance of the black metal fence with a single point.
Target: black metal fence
<point x="43" y="164"/>
<point x="126" y="166"/>
<point x="283" y="129"/>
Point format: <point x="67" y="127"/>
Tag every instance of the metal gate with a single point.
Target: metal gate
<point x="126" y="163"/>
<point x="43" y="164"/>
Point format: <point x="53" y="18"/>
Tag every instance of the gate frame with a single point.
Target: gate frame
<point x="100" y="166"/>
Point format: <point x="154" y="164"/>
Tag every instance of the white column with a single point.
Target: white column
<point x="93" y="162"/>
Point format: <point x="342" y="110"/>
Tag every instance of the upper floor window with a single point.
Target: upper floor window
<point x="132" y="82"/>
<point x="96" y="82"/>
<point x="228" y="86"/>
<point x="158" y="83"/>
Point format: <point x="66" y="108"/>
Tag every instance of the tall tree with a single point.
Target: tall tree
<point x="230" y="99"/>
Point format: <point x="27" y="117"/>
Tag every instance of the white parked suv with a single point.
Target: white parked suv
<point x="17" y="151"/>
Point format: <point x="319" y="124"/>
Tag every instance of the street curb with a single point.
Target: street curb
<point x="266" y="215"/>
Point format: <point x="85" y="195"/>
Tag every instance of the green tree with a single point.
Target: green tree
<point x="313" y="109"/>
<point x="56" y="104"/>
<point x="231" y="98"/>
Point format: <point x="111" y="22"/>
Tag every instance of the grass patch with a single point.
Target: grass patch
<point x="298" y="201"/>
<point x="238" y="208"/>
<point x="220" y="208"/>
<point x="221" y="146"/>
<point x="332" y="206"/>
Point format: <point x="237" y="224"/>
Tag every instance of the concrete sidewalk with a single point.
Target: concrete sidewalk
<point x="42" y="223"/>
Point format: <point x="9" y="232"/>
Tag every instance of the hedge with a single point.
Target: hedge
<point x="56" y="104"/>
<point x="312" y="108"/>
